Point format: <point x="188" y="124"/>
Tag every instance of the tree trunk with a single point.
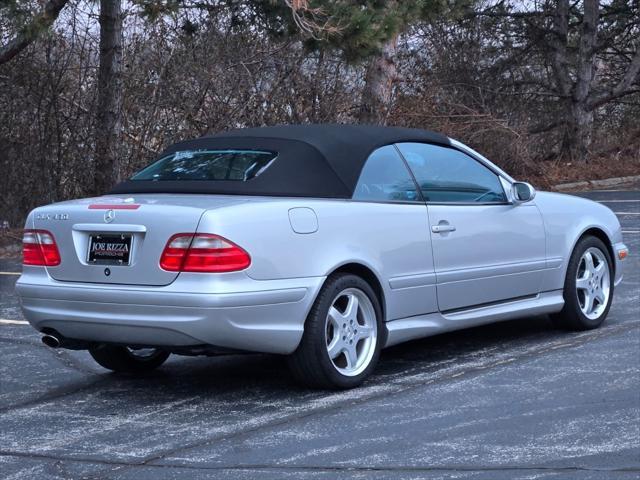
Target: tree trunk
<point x="577" y="136"/>
<point x="378" y="87"/>
<point x="577" y="133"/>
<point x="109" y="113"/>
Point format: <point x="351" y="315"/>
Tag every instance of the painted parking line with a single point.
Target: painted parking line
<point x="617" y="201"/>
<point x="10" y="273"/>
<point x="630" y="231"/>
<point x="627" y="213"/>
<point x="13" y="322"/>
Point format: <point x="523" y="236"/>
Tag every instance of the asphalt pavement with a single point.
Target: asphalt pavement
<point x="518" y="399"/>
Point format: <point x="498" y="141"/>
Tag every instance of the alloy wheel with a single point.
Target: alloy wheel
<point x="351" y="332"/>
<point x="593" y="283"/>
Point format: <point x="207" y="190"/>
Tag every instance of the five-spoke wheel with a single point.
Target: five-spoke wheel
<point x="588" y="287"/>
<point x="351" y="332"/>
<point x="342" y="335"/>
<point x="593" y="283"/>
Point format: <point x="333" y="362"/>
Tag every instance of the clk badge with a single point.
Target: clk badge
<point x="52" y="216"/>
<point x="109" y="216"/>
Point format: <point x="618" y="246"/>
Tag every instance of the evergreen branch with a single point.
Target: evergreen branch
<point x="30" y="32"/>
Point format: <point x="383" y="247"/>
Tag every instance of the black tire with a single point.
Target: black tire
<point x="571" y="317"/>
<point x="121" y="359"/>
<point x="310" y="363"/>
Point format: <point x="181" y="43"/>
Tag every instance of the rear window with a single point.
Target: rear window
<point x="238" y="165"/>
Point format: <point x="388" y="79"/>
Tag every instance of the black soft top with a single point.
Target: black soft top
<point x="313" y="160"/>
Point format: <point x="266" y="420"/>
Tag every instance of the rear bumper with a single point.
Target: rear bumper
<point x="245" y="314"/>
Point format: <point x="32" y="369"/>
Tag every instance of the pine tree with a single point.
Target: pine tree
<point x="361" y="30"/>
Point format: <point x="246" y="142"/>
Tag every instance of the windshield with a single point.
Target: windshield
<point x="238" y="165"/>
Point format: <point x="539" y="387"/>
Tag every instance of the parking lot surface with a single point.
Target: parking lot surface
<point x="518" y="399"/>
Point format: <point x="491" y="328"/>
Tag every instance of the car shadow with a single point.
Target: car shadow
<point x="269" y="373"/>
<point x="260" y="383"/>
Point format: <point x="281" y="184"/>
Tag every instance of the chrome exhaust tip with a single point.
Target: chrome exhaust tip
<point x="51" y="341"/>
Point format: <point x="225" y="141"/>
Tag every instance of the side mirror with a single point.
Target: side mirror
<point x="522" y="192"/>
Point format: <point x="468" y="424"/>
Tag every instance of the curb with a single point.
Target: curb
<point x="607" y="182"/>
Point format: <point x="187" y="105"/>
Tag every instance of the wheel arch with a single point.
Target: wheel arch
<point x="367" y="274"/>
<point x="602" y="235"/>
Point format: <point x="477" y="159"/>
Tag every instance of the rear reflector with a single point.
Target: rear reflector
<point x="39" y="248"/>
<point x="204" y="253"/>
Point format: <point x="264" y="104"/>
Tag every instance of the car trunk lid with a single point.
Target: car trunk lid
<point x="126" y="234"/>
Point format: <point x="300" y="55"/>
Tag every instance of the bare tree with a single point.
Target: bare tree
<point x="577" y="129"/>
<point x="581" y="90"/>
<point x="109" y="110"/>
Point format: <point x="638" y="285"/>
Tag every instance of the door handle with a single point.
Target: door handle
<point x="442" y="228"/>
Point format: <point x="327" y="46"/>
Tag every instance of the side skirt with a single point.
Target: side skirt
<point x="405" y="329"/>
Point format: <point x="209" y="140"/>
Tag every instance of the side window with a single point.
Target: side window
<point x="385" y="178"/>
<point x="448" y="175"/>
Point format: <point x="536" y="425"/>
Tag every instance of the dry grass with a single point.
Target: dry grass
<point x="556" y="172"/>
<point x="10" y="243"/>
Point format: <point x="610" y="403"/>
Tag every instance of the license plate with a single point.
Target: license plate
<point x="111" y="249"/>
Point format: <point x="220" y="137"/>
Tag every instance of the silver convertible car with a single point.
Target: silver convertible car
<point x="325" y="243"/>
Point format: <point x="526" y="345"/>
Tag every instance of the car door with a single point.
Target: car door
<point x="394" y="218"/>
<point x="485" y="249"/>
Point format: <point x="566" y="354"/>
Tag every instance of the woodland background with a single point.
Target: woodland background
<point x="92" y="90"/>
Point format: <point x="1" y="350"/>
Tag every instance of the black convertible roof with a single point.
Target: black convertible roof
<point x="313" y="160"/>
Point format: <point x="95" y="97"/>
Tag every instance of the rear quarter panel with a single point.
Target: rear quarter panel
<point x="392" y="240"/>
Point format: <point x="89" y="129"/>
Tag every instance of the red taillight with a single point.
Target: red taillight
<point x="203" y="252"/>
<point x="39" y="248"/>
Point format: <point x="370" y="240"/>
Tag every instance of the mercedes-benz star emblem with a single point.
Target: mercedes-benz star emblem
<point x="109" y="216"/>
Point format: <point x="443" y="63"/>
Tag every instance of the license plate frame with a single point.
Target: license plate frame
<point x="110" y="249"/>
